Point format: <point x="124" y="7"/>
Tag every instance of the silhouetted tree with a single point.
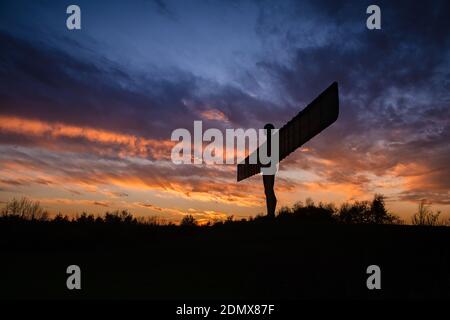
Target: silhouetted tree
<point x="357" y="212"/>
<point x="365" y="212"/>
<point x="85" y="218"/>
<point x="229" y="219"/>
<point x="119" y="217"/>
<point x="25" y="209"/>
<point x="378" y="212"/>
<point x="59" y="218"/>
<point x="188" y="221"/>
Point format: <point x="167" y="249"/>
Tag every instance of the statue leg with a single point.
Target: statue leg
<point x="271" y="200"/>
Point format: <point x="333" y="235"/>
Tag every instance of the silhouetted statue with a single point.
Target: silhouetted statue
<point x="315" y="117"/>
<point x="271" y="199"/>
<point x="269" y="179"/>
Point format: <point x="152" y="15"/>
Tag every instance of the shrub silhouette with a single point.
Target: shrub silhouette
<point x="188" y="221"/>
<point x="61" y="219"/>
<point x="117" y="217"/>
<point x="364" y="212"/>
<point x="24" y="209"/>
<point x="85" y="218"/>
<point x="323" y="213"/>
<point x="425" y="216"/>
<point x="229" y="219"/>
<point x="357" y="212"/>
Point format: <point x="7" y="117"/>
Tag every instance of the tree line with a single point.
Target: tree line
<point x="358" y="212"/>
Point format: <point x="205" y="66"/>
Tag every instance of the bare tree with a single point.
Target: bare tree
<point x="425" y="216"/>
<point x="24" y="209"/>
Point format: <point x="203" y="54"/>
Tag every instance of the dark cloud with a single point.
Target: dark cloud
<point x="119" y="194"/>
<point x="48" y="84"/>
<point x="56" y="86"/>
<point x="100" y="203"/>
<point x="151" y="206"/>
<point x="12" y="182"/>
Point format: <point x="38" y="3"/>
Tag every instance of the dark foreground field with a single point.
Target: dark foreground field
<point x="259" y="259"/>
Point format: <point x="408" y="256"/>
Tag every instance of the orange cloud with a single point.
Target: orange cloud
<point x="198" y="183"/>
<point x="129" y="145"/>
<point x="214" y="114"/>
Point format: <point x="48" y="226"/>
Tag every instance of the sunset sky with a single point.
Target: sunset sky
<point x="86" y="115"/>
